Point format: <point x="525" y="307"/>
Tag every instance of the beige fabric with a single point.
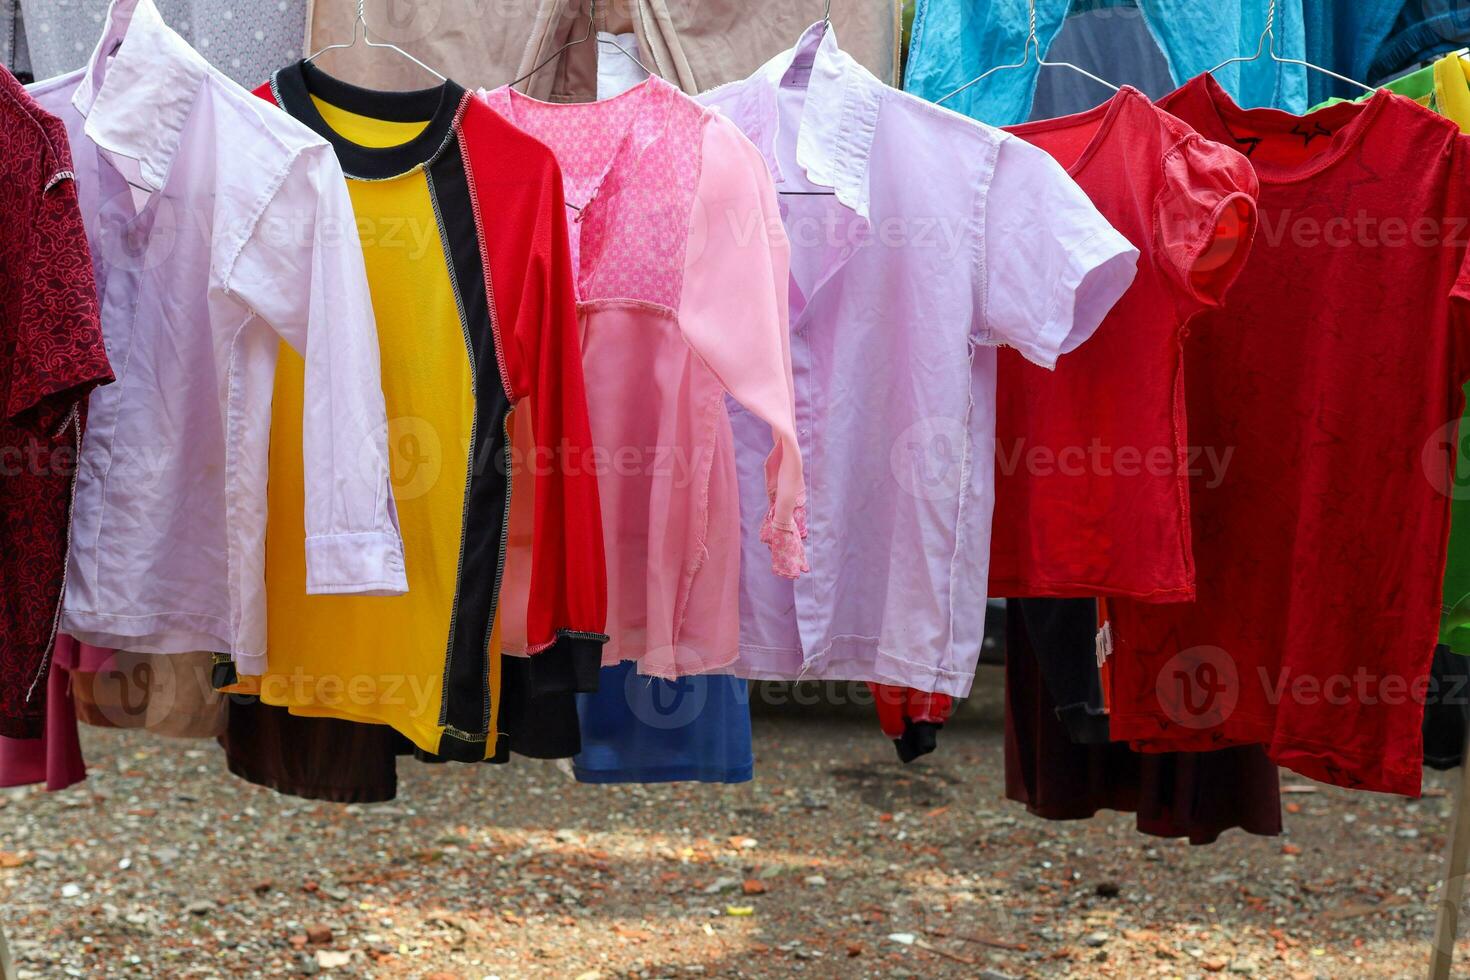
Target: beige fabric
<point x="696" y="44"/>
<point x="165" y="694"/>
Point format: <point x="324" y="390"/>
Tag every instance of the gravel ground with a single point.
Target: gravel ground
<point x="836" y="861"/>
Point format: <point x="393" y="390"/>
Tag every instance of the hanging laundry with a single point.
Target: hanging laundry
<point x="1423" y="29"/>
<point x="467" y="259"/>
<point x="244" y="39"/>
<point x="955" y="41"/>
<point x="912" y="719"/>
<point x="640" y="729"/>
<point x="54" y="758"/>
<point x="1111" y="42"/>
<point x="1198" y="795"/>
<point x="1062" y="635"/>
<point x="1444" y="87"/>
<point x="15" y="54"/>
<point x="313" y="758"/>
<point x="1447" y="710"/>
<point x="940" y="240"/>
<point x="215" y="225"/>
<point x="681" y="273"/>
<point x="695" y="46"/>
<point x="1347" y="38"/>
<point x="1092" y="490"/>
<point x="1327" y="373"/>
<point x="165" y="694"/>
<point x="52" y="355"/>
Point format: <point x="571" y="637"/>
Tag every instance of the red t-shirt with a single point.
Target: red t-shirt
<point x="51" y="355"/>
<point x="1329" y="376"/>
<point x="1092" y="460"/>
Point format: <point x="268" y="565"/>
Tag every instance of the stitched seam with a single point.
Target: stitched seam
<point x="469" y="474"/>
<point x="482" y="244"/>
<point x="499" y="569"/>
<point x="71" y="505"/>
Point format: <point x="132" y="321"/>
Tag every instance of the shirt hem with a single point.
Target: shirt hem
<point x="1322" y="761"/>
<point x="158" y="633"/>
<point x="664" y="774"/>
<point x="1019" y="589"/>
<point x="851" y="658"/>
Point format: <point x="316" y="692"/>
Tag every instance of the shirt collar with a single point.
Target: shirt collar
<point x="838" y="120"/>
<point x="137" y="101"/>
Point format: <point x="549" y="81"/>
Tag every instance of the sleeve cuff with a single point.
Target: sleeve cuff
<point x="363" y="563"/>
<point x="1099" y="272"/>
<point x="572" y="664"/>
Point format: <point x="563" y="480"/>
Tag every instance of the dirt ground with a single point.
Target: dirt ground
<point x="836" y="861"/>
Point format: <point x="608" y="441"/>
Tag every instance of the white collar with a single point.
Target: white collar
<point x="838" y="120"/>
<point x="136" y="102"/>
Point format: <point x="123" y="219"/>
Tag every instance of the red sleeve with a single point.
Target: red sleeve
<point x="538" y="329"/>
<point x="59" y="356"/>
<point x="1205" y="219"/>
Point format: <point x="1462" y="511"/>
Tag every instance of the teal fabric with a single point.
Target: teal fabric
<point x="1347" y="38"/>
<point x="1424" y="30"/>
<point x="955" y="40"/>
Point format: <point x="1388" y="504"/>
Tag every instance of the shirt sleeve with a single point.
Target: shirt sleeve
<point x="59" y="355"/>
<point x="566" y="613"/>
<point x="1049" y="266"/>
<point x="1205" y="219"/>
<point x="734" y="313"/>
<point x="301" y="270"/>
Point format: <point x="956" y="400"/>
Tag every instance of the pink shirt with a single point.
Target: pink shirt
<point x="681" y="288"/>
<point x="941" y="240"/>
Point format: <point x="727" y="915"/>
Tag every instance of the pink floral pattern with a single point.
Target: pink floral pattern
<point x="788" y="554"/>
<point x="633" y="188"/>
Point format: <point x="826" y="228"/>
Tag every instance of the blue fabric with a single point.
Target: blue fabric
<point x="1112" y="43"/>
<point x="955" y="40"/>
<point x="1424" y="30"/>
<point x="1345" y="37"/>
<point x="639" y="729"/>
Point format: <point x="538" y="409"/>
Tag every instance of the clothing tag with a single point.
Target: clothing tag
<point x="800" y="72"/>
<point x="1104" y="643"/>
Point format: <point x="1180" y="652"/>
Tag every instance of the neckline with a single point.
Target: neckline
<point x="295" y="85"/>
<point x="1221" y="109"/>
<point x="645" y="91"/>
<point x="1105" y="114"/>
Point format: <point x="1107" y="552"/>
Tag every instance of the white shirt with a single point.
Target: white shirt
<point x="942" y="239"/>
<point x="219" y="227"/>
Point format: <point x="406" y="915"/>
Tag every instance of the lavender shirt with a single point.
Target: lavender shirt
<point x="219" y="227"/>
<point x="945" y="238"/>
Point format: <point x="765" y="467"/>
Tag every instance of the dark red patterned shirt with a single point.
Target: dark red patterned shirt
<point x="51" y="356"/>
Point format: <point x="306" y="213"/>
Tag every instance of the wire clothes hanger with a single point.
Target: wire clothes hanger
<point x="1032" y="43"/>
<point x="1263" y="48"/>
<point x="361" y="19"/>
<point x="826" y="26"/>
<point x="591" y="32"/>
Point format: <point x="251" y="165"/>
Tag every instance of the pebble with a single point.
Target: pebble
<point x="608" y="881"/>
